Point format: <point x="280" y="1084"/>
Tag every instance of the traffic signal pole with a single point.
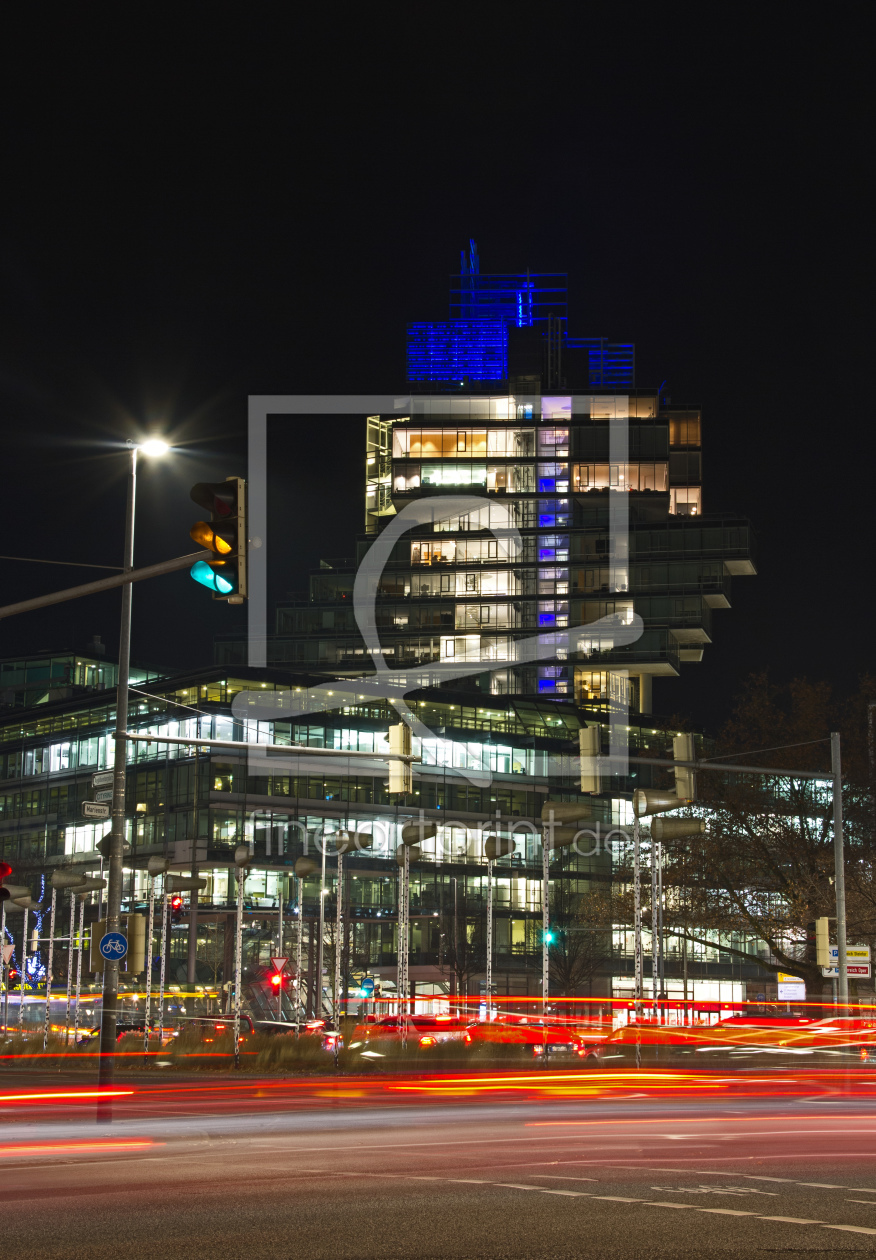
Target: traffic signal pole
<point x="106" y="1061"/>
<point x="123" y="579"/>
<point x="839" y="872"/>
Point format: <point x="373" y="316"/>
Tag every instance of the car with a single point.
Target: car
<point x="375" y="1039"/>
<point x="533" y="1039"/>
<point x="740" y="1036"/>
<point x="321" y="1029"/>
<point x="124" y="1029"/>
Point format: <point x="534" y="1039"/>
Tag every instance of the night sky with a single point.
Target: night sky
<point x="199" y="206"/>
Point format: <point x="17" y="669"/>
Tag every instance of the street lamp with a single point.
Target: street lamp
<point x="153" y="447"/>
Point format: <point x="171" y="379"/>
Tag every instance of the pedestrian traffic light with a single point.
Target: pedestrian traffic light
<point x="175" y="909"/>
<point x="279" y="980"/>
<point x="225" y="535"/>
<point x="401" y="776"/>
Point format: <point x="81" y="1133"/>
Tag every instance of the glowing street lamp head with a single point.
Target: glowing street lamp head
<point x="154" y="446"/>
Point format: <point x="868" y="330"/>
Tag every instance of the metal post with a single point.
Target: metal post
<point x="839" y="872"/>
<point x="654" y="952"/>
<point x="238" y="962"/>
<point x="545" y="922"/>
<point x="192" y="963"/>
<point x="150" y="928"/>
<point x="280" y="879"/>
<point x="69" y="969"/>
<point x="22" y="975"/>
<point x="162" y="963"/>
<point x="489" y="939"/>
<point x="81" y="941"/>
<point x="339" y="926"/>
<point x="299" y="955"/>
<point x="117" y="834"/>
<point x="637" y="918"/>
<point x="402" y="979"/>
<point x="49" y="968"/>
<point x="660" y="939"/>
<point x="317" y="1014"/>
<point x="4" y="969"/>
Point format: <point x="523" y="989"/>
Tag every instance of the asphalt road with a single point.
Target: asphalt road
<point x="456" y="1177"/>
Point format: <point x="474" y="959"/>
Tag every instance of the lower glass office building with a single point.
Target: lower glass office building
<point x="490" y="767"/>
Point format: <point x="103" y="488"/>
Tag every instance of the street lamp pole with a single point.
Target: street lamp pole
<point x="106" y="1061"/>
<point x="108" y="1014"/>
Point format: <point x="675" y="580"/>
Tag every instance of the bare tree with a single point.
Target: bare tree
<point x="581" y="927"/>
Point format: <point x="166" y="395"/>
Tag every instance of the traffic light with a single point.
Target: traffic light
<point x="589" y="748"/>
<point x="822" y="943"/>
<point x="401" y="776"/>
<point x="225" y="535"/>
<point x="685" y="776"/>
<point x="677" y="828"/>
<point x="175" y="909"/>
<point x="5" y="871"/>
<point x="648" y="801"/>
<point x="279" y="980"/>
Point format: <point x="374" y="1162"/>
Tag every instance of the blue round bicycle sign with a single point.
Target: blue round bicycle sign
<point x="113" y="946"/>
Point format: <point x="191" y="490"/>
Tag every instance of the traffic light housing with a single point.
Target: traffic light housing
<point x="589" y="747"/>
<point x="176" y="903"/>
<point x="401" y="776"/>
<point x="663" y="829"/>
<point x="225" y="534"/>
<point x="822" y="943"/>
<point x="685" y="776"/>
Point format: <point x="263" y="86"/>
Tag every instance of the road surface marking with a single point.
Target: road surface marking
<point x="559" y="1177"/>
<point x="726" y="1212"/>
<point x="685" y="1207"/>
<point x="616" y="1198"/>
<point x="791" y="1220"/>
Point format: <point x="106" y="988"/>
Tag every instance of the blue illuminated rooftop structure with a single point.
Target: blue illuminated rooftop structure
<point x="472" y="345"/>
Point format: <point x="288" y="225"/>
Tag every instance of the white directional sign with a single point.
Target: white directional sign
<point x="103" y="778"/>
<point x="91" y="810"/>
<point x="105" y="795"/>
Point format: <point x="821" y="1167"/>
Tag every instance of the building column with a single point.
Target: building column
<point x="645" y="693"/>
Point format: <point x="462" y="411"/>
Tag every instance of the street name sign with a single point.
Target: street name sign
<point x="103" y="778"/>
<point x="105" y="795"/>
<point x="92" y="810"/>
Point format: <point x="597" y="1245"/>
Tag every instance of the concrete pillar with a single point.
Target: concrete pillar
<point x="646" y="702"/>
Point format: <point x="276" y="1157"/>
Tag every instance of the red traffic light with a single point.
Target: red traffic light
<point x="5" y="870"/>
<point x="276" y="979"/>
<point x="176" y="902"/>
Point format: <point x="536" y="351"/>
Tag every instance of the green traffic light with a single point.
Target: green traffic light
<point x="203" y="573"/>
